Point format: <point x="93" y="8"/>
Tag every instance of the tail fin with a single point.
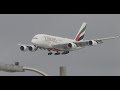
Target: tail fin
<point x="81" y="33"/>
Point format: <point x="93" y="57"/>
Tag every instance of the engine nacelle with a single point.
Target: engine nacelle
<point x="32" y="48"/>
<point x="71" y="45"/>
<point x="92" y="43"/>
<point x="23" y="48"/>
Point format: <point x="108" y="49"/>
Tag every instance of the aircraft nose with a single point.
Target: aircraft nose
<point x="33" y="41"/>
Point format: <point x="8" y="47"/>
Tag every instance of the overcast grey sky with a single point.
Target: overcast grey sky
<point x="103" y="59"/>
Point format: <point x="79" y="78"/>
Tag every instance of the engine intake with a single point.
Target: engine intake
<point x="32" y="48"/>
<point x="71" y="45"/>
<point x="92" y="43"/>
<point x="23" y="48"/>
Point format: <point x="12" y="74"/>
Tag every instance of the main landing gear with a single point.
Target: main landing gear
<point x="58" y="53"/>
<point x="65" y="52"/>
<point x="50" y="53"/>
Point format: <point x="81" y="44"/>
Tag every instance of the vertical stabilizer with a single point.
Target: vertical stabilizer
<point x="80" y="35"/>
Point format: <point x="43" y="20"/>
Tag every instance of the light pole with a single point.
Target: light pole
<point x="35" y="70"/>
<point x="17" y="68"/>
<point x="62" y="71"/>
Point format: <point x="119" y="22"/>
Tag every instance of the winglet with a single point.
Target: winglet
<point x="117" y="37"/>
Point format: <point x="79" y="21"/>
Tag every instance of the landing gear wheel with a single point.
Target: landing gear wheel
<point x="57" y="53"/>
<point x="50" y="53"/>
<point x="65" y="52"/>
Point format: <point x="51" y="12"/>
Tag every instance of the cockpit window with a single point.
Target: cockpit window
<point x="35" y="38"/>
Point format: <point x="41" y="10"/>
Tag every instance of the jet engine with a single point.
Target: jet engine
<point x="32" y="48"/>
<point x="23" y="48"/>
<point x="71" y="45"/>
<point x="92" y="43"/>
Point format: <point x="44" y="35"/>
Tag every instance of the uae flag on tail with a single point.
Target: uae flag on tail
<point x="80" y="35"/>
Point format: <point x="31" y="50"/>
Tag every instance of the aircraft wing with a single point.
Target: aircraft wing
<point x="83" y="43"/>
<point x="94" y="41"/>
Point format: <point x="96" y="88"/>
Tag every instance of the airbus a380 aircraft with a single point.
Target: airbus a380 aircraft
<point x="61" y="45"/>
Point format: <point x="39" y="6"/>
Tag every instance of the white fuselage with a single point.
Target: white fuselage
<point x="46" y="41"/>
<point x="62" y="45"/>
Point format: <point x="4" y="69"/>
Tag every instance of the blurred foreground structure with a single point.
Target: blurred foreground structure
<point x="16" y="68"/>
